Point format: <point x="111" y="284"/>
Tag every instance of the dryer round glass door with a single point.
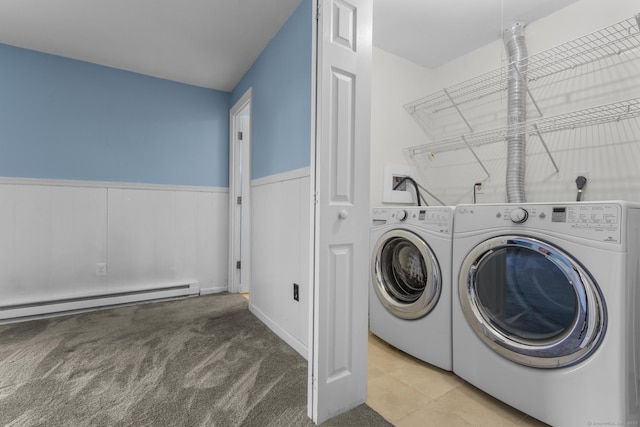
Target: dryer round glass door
<point x="406" y="274"/>
<point x="531" y="302"/>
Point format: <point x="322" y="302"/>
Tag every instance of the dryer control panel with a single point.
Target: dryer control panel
<point x="595" y="221"/>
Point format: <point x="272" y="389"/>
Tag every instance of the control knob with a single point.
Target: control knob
<point x="402" y="215"/>
<point x="519" y="215"/>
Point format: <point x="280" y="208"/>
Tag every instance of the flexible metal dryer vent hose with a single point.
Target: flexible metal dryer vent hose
<point x="516" y="112"/>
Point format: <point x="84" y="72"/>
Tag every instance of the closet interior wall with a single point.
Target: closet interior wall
<point x="583" y="114"/>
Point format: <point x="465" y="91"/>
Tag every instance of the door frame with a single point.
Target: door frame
<point x="313" y="200"/>
<point x="240" y="219"/>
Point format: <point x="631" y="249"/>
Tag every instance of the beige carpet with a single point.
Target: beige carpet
<point x="203" y="361"/>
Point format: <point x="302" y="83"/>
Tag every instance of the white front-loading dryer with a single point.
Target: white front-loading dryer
<point x="545" y="308"/>
<point x="410" y="292"/>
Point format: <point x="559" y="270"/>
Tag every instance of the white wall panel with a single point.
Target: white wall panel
<point x="205" y="238"/>
<point x="131" y="239"/>
<point x="7" y="242"/>
<point x="57" y="234"/>
<point x="165" y="234"/>
<point x="166" y="237"/>
<point x="280" y="255"/>
<point x="289" y="225"/>
<point x="220" y="254"/>
<point x="303" y="260"/>
<point x="32" y="245"/>
<point x="213" y="241"/>
<point x="78" y="240"/>
<point x="186" y="233"/>
<point x="267" y="252"/>
<point x="149" y="237"/>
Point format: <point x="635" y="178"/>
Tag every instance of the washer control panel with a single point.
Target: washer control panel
<point x="437" y="219"/>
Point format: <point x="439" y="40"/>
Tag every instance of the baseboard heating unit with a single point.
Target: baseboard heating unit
<point x="96" y="301"/>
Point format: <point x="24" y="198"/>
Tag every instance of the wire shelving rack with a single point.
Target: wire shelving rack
<point x="611" y="41"/>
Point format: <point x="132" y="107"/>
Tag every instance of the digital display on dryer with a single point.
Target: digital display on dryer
<point x="559" y="215"/>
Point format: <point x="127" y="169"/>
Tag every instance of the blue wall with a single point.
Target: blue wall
<point x="67" y="119"/>
<point x="281" y="103"/>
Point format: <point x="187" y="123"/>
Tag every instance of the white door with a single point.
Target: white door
<point x="239" y="201"/>
<point x="341" y="214"/>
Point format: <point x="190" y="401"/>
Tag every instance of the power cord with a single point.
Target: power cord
<point x="476" y="187"/>
<point x="431" y="194"/>
<point x="415" y="185"/>
<point x="581" y="182"/>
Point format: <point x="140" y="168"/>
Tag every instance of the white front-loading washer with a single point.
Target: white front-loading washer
<point x="410" y="292"/>
<point x="545" y="313"/>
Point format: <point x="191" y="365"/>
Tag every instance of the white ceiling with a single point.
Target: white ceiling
<point x="212" y="43"/>
<point x="433" y="32"/>
<point x="209" y="43"/>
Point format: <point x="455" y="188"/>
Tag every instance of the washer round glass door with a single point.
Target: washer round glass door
<point x="406" y="274"/>
<point x="531" y="302"/>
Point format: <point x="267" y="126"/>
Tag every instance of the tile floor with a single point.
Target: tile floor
<point x="408" y="392"/>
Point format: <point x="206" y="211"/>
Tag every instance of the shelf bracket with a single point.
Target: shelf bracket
<point x="476" y="156"/>
<point x="535" y="104"/>
<point x="458" y="109"/>
<point x="544" y="144"/>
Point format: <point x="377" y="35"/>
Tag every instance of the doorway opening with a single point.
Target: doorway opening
<point x="239" y="195"/>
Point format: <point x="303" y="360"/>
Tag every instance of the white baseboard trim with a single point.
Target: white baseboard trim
<point x="284" y="335"/>
<point x="84" y="303"/>
<point x="213" y="290"/>
<point x="281" y="177"/>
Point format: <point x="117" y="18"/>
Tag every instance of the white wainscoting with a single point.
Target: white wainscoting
<point x="151" y="238"/>
<point x="280" y="232"/>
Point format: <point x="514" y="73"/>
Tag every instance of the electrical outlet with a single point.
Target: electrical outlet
<point x="396" y="180"/>
<point x="101" y="269"/>
<point x="296" y="292"/>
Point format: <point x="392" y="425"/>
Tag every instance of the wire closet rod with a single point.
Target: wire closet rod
<point x="614" y="112"/>
<point x="610" y="41"/>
